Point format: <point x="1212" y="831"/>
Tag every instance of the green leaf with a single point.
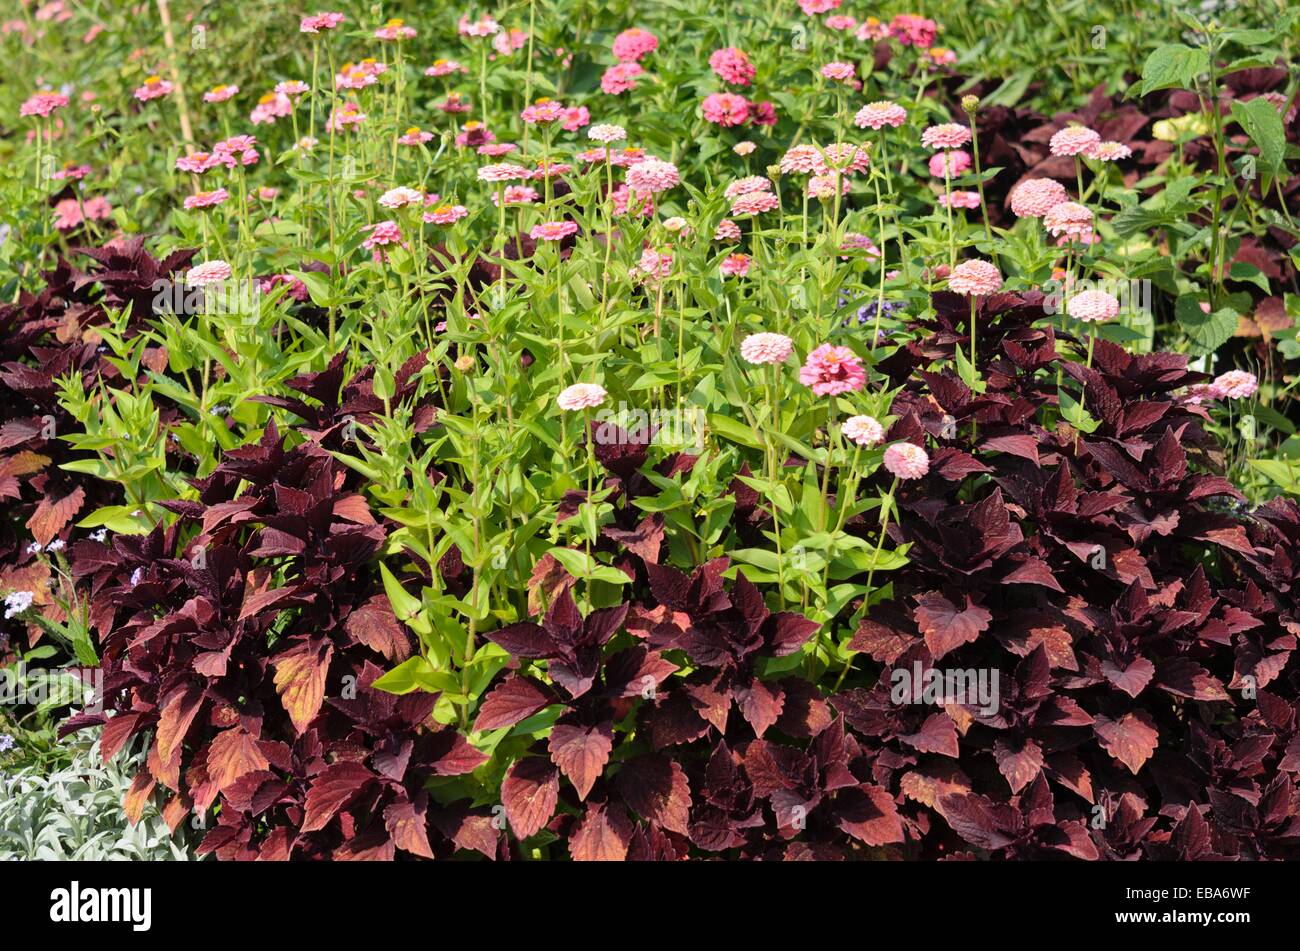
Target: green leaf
<point x="1172" y="65"/>
<point x="1260" y="119"/>
<point x="1207" y="332"/>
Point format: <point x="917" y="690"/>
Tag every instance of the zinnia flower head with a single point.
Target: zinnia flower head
<point x="727" y="230"/>
<point x="155" y="87"/>
<point x="503" y="172"/>
<point x="581" y="396"/>
<point x="652" y="176"/>
<point x="747" y="186"/>
<point x="1074" y="140"/>
<point x="1093" y="306"/>
<point x="957" y="161"/>
<point x="877" y="115"/>
<point x="542" y="112"/>
<point x="732" y="66"/>
<point x="863" y="430"/>
<point x="735" y="265"/>
<point x="401" y="197"/>
<point x="755" y="203"/>
<point x="975" y="278"/>
<point x="553" y="230"/>
<point x="383" y="233"/>
<point x="1035" y="197"/>
<point x="725" y="109"/>
<point x="654" y="265"/>
<point x="832" y="370"/>
<point x="619" y="78"/>
<point x="962" y="199"/>
<point x="445" y="214"/>
<point x="607" y="132"/>
<point x="839" y="72"/>
<point x="911" y="30"/>
<point x="395" y="29"/>
<point x="1237" y="384"/>
<point x="948" y="135"/>
<point x="1109" y="151"/>
<point x="220" y="93"/>
<point x="1068" y="218"/>
<point x="320" y="21"/>
<point x="634" y="43"/>
<point x="209" y="272"/>
<point x="762" y="348"/>
<point x="906" y="460"/>
<point x="206" y="199"/>
<point x="801" y="160"/>
<point x="42" y="104"/>
<point x="842" y="157"/>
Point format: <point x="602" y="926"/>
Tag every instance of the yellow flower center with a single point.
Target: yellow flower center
<point x="269" y="97"/>
<point x="153" y="81"/>
<point x="413" y="130"/>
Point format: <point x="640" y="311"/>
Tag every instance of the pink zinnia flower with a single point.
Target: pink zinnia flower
<point x="413" y="136"/>
<point x="727" y="230"/>
<point x="948" y="135"/>
<point x="732" y="66"/>
<point x="853" y="241"/>
<point x="814" y="7"/>
<point x="542" y="112"/>
<point x="395" y="29"/>
<point x="975" y="279"/>
<point x="913" y="30"/>
<point x="575" y="117"/>
<point x="209" y="272"/>
<point x="606" y="132"/>
<point x="652" y="176"/>
<point x="553" y="230"/>
<point x="840" y="23"/>
<point x="619" y="78"/>
<point x="320" y="21"/>
<point x="446" y="214"/>
<point x="517" y="195"/>
<point x="503" y="172"/>
<point x="508" y="41"/>
<point x="1074" y="140"/>
<point x="1035" y="197"/>
<point x="957" y="161"/>
<point x="842" y="157"/>
<point x="762" y="348"/>
<point x="444" y="67"/>
<point x="800" y="160"/>
<point x="634" y="43"/>
<point x="1093" y="306"/>
<point x="622" y="199"/>
<point x="220" y="93"/>
<point x="482" y="27"/>
<point x="383" y="233"/>
<point x="654" y="265"/>
<point x="755" y="203"/>
<point x="72" y="172"/>
<point x="744" y="148"/>
<point x="839" y="72"/>
<point x="762" y="113"/>
<point x="735" y="265"/>
<point x="877" y="115"/>
<point x="401" y="197"/>
<point x="747" y="186"/>
<point x="206" y="199"/>
<point x="863" y="430"/>
<point x="1237" y="384"/>
<point x="725" y="109"/>
<point x="1068" y="218"/>
<point x="581" y="396"/>
<point x="1109" y="151"/>
<point x="42" y="104"/>
<point x="1199" y="393"/>
<point x="905" y="460"/>
<point x="823" y="186"/>
<point x="960" y="199"/>
<point x="832" y="370"/>
<point x="197" y="163"/>
<point x="154" y="87"/>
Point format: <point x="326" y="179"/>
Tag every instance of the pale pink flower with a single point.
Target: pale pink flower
<point x="401" y="197"/>
<point x="542" y="112"/>
<point x="744" y="148"/>
<point x="606" y="132"/>
<point x="1199" y="393"/>
<point x="209" y="272"/>
<point x="654" y="265"/>
<point x="395" y="29"/>
<point x="1093" y="306"/>
<point x="1074" y="140"/>
<point x="1068" y="218"/>
<point x="446" y="214"/>
<point x="727" y="230"/>
<point x="155" y="87"/>
<point x="957" y="161"/>
<point x="1035" y="197"/>
<point x="220" y="93"/>
<point x="755" y="203"/>
<point x="975" y="279"/>
<point x="877" y="115"/>
<point x="839" y="72"/>
<point x="517" y="195"/>
<point x="801" y="160"/>
<point x="960" y="199"/>
<point x="291" y="87"/>
<point x="413" y="136"/>
<point x="581" y="396"/>
<point x="484" y="26"/>
<point x="840" y="23"/>
<point x="912" y="30"/>
<point x="853" y="241"/>
<point x="765" y="348"/>
<point x="381" y="234"/>
<point x="509" y="41"/>
<point x="575" y="117"/>
<point x="823" y="186"/>
<point x="747" y="186"/>
<point x="948" y="135"/>
<point x="863" y="431"/>
<point x="1109" y="152"/>
<point x="503" y="172"/>
<point x="42" y="104"/>
<point x="905" y="460"/>
<point x="206" y="199"/>
<point x="842" y="157"/>
<point x="832" y="370"/>
<point x="1237" y="384"/>
<point x="197" y="163"/>
<point x="814" y="7"/>
<point x="320" y="21"/>
<point x="444" y="67"/>
<point x="553" y="230"/>
<point x="652" y="176"/>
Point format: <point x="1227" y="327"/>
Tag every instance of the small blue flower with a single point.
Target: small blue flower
<point x="6" y="743"/>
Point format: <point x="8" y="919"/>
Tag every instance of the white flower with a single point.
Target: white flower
<point x="16" y="602"/>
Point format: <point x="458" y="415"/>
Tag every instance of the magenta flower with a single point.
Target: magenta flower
<point x="832" y="370"/>
<point x="732" y="66"/>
